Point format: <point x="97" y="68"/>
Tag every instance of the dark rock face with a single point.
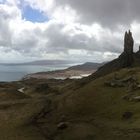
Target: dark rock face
<point x="127" y="115"/>
<point x="138" y="53"/>
<point x="128" y="43"/>
<point x="126" y="58"/>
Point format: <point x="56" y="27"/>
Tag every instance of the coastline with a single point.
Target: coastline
<point x="60" y="74"/>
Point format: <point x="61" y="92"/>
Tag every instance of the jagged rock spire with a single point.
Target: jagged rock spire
<point x="128" y="42"/>
<point x="126" y="58"/>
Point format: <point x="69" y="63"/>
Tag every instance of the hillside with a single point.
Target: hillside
<point x="89" y="66"/>
<point x="103" y="109"/>
<point x="58" y="109"/>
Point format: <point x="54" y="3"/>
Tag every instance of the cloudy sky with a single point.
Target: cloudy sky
<point x="77" y="30"/>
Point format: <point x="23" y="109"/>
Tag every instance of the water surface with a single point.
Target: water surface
<point x="16" y="72"/>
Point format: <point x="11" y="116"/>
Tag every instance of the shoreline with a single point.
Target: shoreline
<point x="60" y="74"/>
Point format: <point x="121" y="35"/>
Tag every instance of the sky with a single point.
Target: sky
<point x="74" y="30"/>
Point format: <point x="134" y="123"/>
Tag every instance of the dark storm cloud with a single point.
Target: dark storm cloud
<point x="106" y="12"/>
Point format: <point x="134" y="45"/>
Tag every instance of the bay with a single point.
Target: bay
<point x="16" y="72"/>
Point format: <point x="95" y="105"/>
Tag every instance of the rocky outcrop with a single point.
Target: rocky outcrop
<point x="128" y="43"/>
<point x="138" y="53"/>
<point x="126" y="58"/>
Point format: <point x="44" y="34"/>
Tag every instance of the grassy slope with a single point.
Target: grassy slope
<point x="95" y="111"/>
<point x="92" y="111"/>
<point x="18" y="110"/>
<point x="16" y="113"/>
<point x="15" y="120"/>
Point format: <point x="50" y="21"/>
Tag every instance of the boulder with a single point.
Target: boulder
<point x="62" y="125"/>
<point x="127" y="115"/>
<point x="137" y="98"/>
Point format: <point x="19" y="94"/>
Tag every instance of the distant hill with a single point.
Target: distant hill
<point x="78" y="71"/>
<point x="41" y="62"/>
<point x="86" y="66"/>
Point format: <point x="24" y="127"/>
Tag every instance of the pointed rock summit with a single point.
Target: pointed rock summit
<point x="126" y="58"/>
<point x="128" y="43"/>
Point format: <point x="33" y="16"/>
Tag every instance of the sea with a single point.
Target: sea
<point x="10" y="73"/>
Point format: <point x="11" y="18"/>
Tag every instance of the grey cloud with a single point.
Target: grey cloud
<point x="5" y="33"/>
<point x="59" y="41"/>
<point x="107" y="12"/>
<point x="26" y="41"/>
